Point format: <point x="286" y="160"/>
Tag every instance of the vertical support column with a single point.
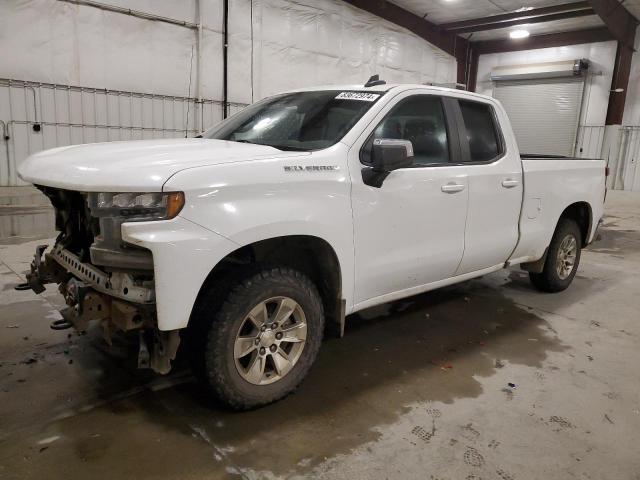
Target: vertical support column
<point x="225" y="58"/>
<point x="461" y="70"/>
<point x="467" y="65"/>
<point x="621" y="72"/>
<point x="473" y="70"/>
<point x="462" y="49"/>
<point x="613" y="151"/>
<point x="198" y="94"/>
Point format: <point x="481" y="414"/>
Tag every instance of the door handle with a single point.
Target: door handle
<point x="510" y="183"/>
<point x="452" y="187"/>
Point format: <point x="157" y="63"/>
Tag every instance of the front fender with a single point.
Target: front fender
<point x="259" y="200"/>
<point x="183" y="255"/>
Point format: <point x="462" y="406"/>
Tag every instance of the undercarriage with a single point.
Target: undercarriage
<point x="102" y="278"/>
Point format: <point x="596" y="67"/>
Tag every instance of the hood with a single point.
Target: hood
<point x="143" y="165"/>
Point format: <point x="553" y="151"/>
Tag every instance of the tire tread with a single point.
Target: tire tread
<point x="548" y="280"/>
<point x="243" y="292"/>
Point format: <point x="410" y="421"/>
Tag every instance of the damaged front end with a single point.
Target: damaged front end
<point x="102" y="278"/>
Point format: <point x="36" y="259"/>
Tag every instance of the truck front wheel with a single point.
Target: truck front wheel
<point x="263" y="339"/>
<point x="563" y="257"/>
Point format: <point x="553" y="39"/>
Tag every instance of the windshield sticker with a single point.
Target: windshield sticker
<point x="362" y="96"/>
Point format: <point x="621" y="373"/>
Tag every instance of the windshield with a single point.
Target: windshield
<point x="296" y="121"/>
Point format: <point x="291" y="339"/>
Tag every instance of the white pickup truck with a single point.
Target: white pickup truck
<point x="246" y="244"/>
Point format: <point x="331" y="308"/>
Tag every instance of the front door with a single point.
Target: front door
<point x="409" y="231"/>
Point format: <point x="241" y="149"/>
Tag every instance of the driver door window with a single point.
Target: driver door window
<point x="421" y="120"/>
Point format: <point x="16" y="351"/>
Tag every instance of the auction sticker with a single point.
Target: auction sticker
<point x="362" y="96"/>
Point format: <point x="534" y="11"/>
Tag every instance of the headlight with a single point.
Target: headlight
<point x="137" y="206"/>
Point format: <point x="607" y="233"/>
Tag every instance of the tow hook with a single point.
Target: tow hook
<point x="38" y="276"/>
<point x="61" y="324"/>
<point x="143" y="352"/>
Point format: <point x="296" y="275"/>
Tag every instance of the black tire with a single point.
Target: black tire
<point x="549" y="280"/>
<point x="218" y="370"/>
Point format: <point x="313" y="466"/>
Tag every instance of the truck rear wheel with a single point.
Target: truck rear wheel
<point x="263" y="340"/>
<point x="563" y="257"/>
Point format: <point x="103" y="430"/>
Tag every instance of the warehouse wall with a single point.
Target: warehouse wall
<point x="596" y="96"/>
<point x="142" y="68"/>
<point x="324" y="42"/>
<point x="591" y="134"/>
<point x="620" y="146"/>
<point x="632" y="104"/>
<point x="627" y="172"/>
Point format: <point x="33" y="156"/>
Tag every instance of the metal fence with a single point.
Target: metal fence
<point x="35" y="116"/>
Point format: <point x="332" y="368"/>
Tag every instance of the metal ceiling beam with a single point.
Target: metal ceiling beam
<point x="543" y="41"/>
<point x="540" y="19"/>
<point x="447" y="41"/>
<point x="618" y="19"/>
<point x="527" y="15"/>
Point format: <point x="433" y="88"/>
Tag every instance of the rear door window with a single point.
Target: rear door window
<point x="482" y="133"/>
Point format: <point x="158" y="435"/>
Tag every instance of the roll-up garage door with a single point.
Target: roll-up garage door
<point x="544" y="113"/>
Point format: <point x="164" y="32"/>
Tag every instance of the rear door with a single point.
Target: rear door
<point x="495" y="186"/>
<point x="409" y="231"/>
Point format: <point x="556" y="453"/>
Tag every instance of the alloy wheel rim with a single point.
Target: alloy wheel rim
<point x="270" y="340"/>
<point x="566" y="256"/>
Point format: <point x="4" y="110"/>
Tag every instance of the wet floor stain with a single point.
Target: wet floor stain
<point x="615" y="241"/>
<point x="433" y="347"/>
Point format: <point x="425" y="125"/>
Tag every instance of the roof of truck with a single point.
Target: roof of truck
<point x="386" y="87"/>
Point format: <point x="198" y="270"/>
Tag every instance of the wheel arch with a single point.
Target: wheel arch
<point x="582" y="214"/>
<point x="311" y="255"/>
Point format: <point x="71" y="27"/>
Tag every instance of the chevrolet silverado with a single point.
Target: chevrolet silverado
<point x="245" y="245"/>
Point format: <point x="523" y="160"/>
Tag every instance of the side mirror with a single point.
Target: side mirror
<point x="390" y="154"/>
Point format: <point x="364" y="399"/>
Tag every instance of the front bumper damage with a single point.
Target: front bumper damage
<point x="115" y="299"/>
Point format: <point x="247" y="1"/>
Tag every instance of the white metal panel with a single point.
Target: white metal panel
<point x="70" y="115"/>
<point x="184" y="10"/>
<point x="632" y="103"/>
<point x="274" y="45"/>
<point x="590" y="141"/>
<point x="629" y="157"/>
<point x="303" y="43"/>
<point x="59" y="42"/>
<point x="544" y="113"/>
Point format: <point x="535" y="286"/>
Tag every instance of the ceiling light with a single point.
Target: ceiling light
<point x="519" y="34"/>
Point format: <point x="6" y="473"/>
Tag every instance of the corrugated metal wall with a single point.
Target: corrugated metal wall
<point x="589" y="141"/>
<point x="41" y="116"/>
<point x="628" y="175"/>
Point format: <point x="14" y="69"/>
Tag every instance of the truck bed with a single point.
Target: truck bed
<point x="549" y="182"/>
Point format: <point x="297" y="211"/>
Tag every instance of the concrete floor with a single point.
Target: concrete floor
<point x="416" y="389"/>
